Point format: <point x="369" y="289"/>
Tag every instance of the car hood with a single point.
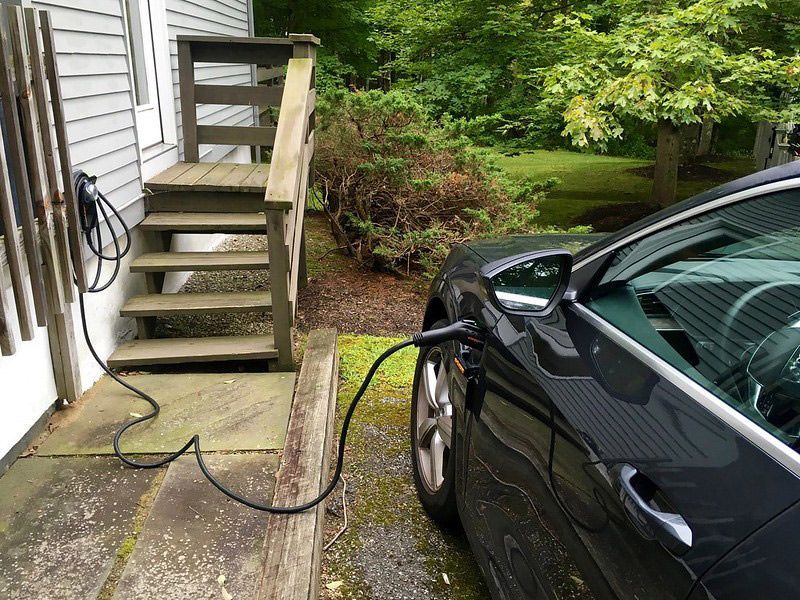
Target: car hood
<point x="497" y="248"/>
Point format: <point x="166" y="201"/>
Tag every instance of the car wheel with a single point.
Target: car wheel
<point x="432" y="428"/>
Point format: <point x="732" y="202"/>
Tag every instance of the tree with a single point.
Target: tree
<point x="465" y="58"/>
<point x="671" y="63"/>
<point x="341" y="25"/>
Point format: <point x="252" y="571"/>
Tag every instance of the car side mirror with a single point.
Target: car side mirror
<point x="532" y="283"/>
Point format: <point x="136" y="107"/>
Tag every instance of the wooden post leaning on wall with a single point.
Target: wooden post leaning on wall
<point x="191" y="150"/>
<point x="16" y="153"/>
<point x="44" y="183"/>
<point x="43" y="111"/>
<point x="7" y="344"/>
<point x="33" y="154"/>
<point x="54" y="85"/>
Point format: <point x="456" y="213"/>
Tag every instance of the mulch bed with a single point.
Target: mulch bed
<point x="612" y="217"/>
<point x="361" y="302"/>
<point x="689" y="172"/>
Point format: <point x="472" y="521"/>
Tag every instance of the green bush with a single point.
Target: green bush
<point x="399" y="190"/>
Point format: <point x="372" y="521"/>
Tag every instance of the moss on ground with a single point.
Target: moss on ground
<point x="383" y="498"/>
<point x="127" y="546"/>
<point x="321" y="254"/>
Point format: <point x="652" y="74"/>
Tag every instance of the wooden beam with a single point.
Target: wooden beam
<point x="191" y="152"/>
<point x="17" y="159"/>
<point x="34" y="156"/>
<point x="74" y="231"/>
<point x="227" y="134"/>
<point x="43" y="112"/>
<point x="279" y="256"/>
<point x="293" y="543"/>
<point x="241" y="52"/>
<point x="8" y="345"/>
<point x="239" y="95"/>
<point x="12" y="242"/>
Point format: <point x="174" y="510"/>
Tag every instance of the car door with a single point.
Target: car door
<point x="647" y="427"/>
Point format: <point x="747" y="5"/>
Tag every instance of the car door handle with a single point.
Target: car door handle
<point x="670" y="529"/>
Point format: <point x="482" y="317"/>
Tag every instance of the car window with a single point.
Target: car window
<point x="718" y="297"/>
<point x="530" y="284"/>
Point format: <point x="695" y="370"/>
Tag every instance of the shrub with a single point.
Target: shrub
<point x="399" y="190"/>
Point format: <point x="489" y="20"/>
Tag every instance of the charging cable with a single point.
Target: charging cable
<point x="90" y="200"/>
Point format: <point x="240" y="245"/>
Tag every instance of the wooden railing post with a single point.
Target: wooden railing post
<point x="279" y="254"/>
<point x="191" y="150"/>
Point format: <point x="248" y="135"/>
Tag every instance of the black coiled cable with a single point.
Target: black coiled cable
<point x="96" y="245"/>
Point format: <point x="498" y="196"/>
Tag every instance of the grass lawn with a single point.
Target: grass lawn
<point x="589" y="180"/>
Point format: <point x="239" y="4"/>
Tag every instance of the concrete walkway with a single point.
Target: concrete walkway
<point x="74" y="523"/>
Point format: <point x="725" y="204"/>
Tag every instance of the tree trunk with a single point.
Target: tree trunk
<point x="706" y="137"/>
<point x="668" y="154"/>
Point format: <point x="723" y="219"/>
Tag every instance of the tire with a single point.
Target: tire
<point x="434" y="479"/>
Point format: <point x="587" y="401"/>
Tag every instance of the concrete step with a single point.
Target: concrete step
<point x="200" y="222"/>
<point x="162" y="262"/>
<point x="162" y="305"/>
<point x="193" y="350"/>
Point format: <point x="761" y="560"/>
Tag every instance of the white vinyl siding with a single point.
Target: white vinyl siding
<point x="210" y="17"/>
<point x="92" y="62"/>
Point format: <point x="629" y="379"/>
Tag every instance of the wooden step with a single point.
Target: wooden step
<point x="206" y="222"/>
<point x="162" y="262"/>
<point x="162" y="305"/>
<point x="193" y="350"/>
<point x="211" y="177"/>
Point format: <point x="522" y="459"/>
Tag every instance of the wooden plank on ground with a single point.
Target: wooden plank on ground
<point x="36" y="169"/>
<point x="53" y="81"/>
<point x="293" y="543"/>
<point x="43" y="112"/>
<point x="17" y="163"/>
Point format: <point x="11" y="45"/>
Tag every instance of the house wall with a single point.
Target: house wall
<point x="98" y="106"/>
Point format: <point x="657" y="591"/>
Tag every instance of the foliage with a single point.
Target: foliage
<point x="673" y="61"/>
<point x="340" y="24"/>
<point x="467" y="58"/>
<point x="398" y="190"/>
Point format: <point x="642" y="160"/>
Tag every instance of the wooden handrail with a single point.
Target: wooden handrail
<point x="272" y="52"/>
<point x="285" y="198"/>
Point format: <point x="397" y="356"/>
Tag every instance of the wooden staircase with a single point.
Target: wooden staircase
<point x="210" y="198"/>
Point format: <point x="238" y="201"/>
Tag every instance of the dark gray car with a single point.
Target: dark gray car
<point x="630" y="429"/>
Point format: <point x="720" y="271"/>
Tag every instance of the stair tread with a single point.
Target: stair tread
<point x="157" y="305"/>
<point x="211" y="177"/>
<point x="199" y="261"/>
<point x="206" y="222"/>
<point x="180" y="350"/>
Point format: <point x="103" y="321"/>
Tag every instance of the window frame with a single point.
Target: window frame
<point x="596" y="263"/>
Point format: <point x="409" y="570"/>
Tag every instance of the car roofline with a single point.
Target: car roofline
<point x="777" y="179"/>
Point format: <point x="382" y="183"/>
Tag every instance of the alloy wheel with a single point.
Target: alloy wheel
<point x="433" y="421"/>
